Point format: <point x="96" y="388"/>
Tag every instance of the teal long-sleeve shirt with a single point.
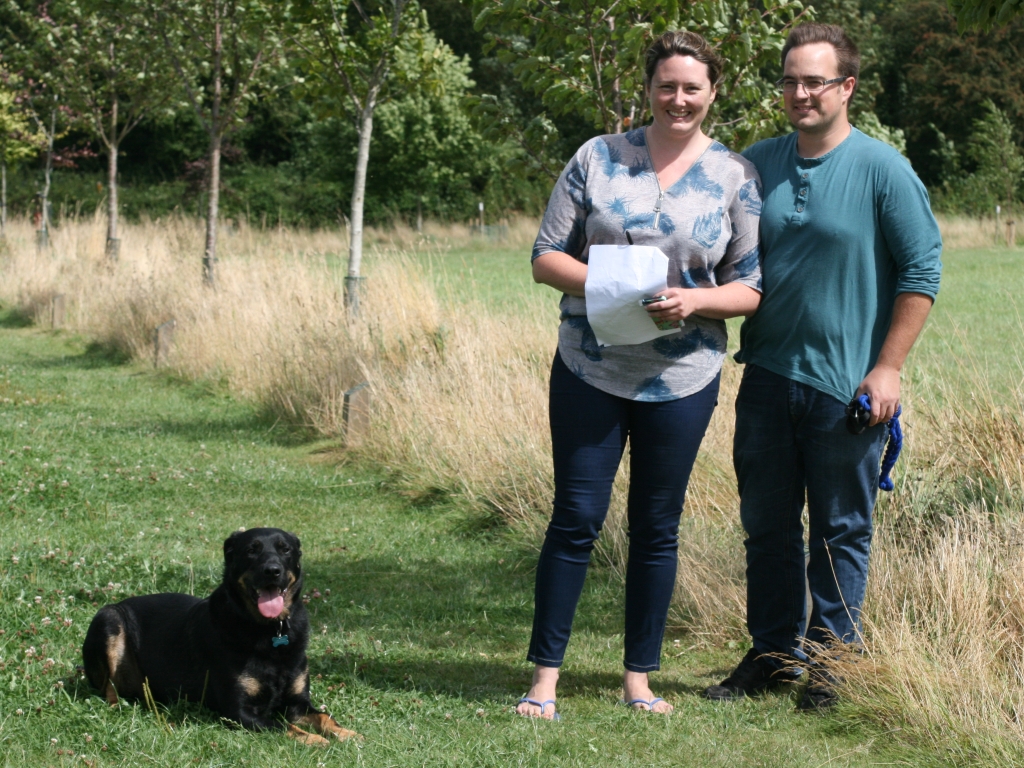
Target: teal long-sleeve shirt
<point x="841" y="236"/>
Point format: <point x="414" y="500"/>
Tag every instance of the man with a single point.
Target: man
<point x="851" y="268"/>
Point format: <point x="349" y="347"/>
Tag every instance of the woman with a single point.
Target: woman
<point x="673" y="187"/>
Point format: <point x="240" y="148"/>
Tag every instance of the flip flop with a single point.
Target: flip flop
<point x="542" y="704"/>
<point x="650" y="704"/>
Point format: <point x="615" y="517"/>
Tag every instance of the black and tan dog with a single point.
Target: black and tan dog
<point x="241" y="652"/>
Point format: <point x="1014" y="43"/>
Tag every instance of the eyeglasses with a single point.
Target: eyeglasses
<point x="811" y="85"/>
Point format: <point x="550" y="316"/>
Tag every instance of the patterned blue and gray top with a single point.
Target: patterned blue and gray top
<point x="707" y="228"/>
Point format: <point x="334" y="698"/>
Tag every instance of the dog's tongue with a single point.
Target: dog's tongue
<point x="270" y="602"/>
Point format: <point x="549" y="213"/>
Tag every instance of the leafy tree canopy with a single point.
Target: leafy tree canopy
<point x="985" y="14"/>
<point x="936" y="80"/>
<point x="585" y="57"/>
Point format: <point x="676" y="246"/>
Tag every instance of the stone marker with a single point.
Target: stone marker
<point x="57" y="311"/>
<point x="163" y="339"/>
<point x="355" y="413"/>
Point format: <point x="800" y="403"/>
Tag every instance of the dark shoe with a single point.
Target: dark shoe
<point x="820" y="694"/>
<point x="754" y="674"/>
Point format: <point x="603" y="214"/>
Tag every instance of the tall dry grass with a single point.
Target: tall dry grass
<point x="459" y="407"/>
<point x="974" y="232"/>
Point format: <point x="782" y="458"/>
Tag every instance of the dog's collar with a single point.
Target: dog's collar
<point x="281" y="638"/>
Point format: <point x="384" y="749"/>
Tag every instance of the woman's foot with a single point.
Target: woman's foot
<point x="638" y="694"/>
<point x="545" y="681"/>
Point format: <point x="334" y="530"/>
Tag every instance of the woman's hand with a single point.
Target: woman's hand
<point x="680" y="303"/>
<point x="719" y="303"/>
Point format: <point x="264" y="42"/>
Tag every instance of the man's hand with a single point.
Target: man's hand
<point x="882" y="386"/>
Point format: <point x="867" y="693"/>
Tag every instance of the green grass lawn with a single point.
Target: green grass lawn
<point x="116" y="480"/>
<point x="977" y="319"/>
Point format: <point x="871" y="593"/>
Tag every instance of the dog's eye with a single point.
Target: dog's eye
<point x="284" y="549"/>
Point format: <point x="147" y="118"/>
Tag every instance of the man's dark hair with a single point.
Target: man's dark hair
<point x="683" y="43"/>
<point x="847" y="54"/>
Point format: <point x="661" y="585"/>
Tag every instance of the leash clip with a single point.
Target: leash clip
<point x="858" y="414"/>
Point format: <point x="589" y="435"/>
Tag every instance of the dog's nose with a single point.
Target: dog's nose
<point x="273" y="570"/>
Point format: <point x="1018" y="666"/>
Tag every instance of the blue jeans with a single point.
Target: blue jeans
<point x="588" y="435"/>
<point x="791" y="443"/>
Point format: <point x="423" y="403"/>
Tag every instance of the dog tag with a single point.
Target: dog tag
<point x="279" y="640"/>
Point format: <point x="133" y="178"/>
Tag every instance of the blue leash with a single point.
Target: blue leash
<point x="892" y="448"/>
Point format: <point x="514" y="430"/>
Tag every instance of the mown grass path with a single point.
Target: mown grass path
<point x="115" y="480"/>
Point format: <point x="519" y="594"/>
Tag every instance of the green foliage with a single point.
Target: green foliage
<point x="18" y="139"/>
<point x="350" y="57"/>
<point x="869" y="123"/>
<point x="104" y="66"/>
<point x="933" y="76"/>
<point x="997" y="167"/>
<point x="222" y="51"/>
<point x="1000" y="162"/>
<point x="984" y="14"/>
<point x="586" y="58"/>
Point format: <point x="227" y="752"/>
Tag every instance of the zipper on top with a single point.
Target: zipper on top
<point x="661" y="193"/>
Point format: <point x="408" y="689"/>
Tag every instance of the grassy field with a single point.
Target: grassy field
<point x="429" y="551"/>
<point x="116" y="480"/>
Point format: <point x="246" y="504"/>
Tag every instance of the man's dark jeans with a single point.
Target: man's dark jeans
<point x="792" y="444"/>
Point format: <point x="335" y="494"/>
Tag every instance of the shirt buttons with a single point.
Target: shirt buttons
<point x="799" y="209"/>
<point x="804" y="176"/>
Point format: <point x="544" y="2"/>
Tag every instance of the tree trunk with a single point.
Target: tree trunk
<point x="43" y="236"/>
<point x="616" y="89"/>
<point x="355" y="249"/>
<point x="210" y="256"/>
<point x="216" y="135"/>
<point x="3" y="192"/>
<point x="113" y="244"/>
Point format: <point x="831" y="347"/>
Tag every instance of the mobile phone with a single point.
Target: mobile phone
<point x="654" y="300"/>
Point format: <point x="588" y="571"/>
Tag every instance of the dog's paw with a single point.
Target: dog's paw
<point x="326" y="725"/>
<point x="304" y="737"/>
<point x="344" y="734"/>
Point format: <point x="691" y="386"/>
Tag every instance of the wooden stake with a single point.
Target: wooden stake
<point x="355" y="412"/>
<point x="57" y="311"/>
<point x="162" y="341"/>
<point x="1011" y="233"/>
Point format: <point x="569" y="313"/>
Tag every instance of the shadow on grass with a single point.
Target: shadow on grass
<point x="11" y="317"/>
<point x="458" y="616"/>
<point x="96" y="355"/>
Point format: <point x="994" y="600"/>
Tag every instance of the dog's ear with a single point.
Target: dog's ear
<point x="230" y="542"/>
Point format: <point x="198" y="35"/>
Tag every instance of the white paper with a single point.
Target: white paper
<point x="618" y="277"/>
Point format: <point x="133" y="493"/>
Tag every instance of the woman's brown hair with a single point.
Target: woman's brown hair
<point x="683" y="43"/>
